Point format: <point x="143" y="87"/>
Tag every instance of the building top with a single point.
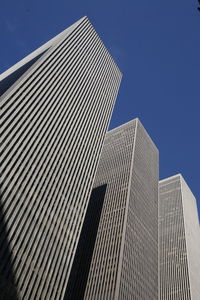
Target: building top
<point x="171" y="177"/>
<point x="122" y="125"/>
<point x="178" y="176"/>
<point x="137" y="120"/>
<point x="41" y="49"/>
<point x="182" y="181"/>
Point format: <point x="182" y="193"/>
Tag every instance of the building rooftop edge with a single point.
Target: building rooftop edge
<point x="131" y="121"/>
<point x="171" y="177"/>
<point x="41" y="49"/>
<point x="117" y="127"/>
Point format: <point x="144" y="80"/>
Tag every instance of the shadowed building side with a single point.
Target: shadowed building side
<point x="81" y="265"/>
<point x="9" y="80"/>
<point x="7" y="279"/>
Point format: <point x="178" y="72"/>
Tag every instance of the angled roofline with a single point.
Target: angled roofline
<point x="41" y="49"/>
<point x="171" y="177"/>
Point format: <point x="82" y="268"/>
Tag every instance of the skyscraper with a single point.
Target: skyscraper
<point x="125" y="258"/>
<point x="179" y="241"/>
<point x="82" y="260"/>
<point x="55" y="109"/>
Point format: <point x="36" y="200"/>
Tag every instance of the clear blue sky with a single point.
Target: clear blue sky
<point x="156" y="44"/>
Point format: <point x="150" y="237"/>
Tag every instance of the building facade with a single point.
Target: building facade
<point x="56" y="105"/>
<point x="179" y="241"/>
<point x="125" y="257"/>
<point x="82" y="260"/>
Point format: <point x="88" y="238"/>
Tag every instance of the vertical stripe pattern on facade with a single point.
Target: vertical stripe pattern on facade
<point x="179" y="241"/>
<point x="139" y="273"/>
<point x="129" y="216"/>
<point x="53" y="123"/>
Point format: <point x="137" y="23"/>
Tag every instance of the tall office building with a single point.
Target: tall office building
<point x="55" y="109"/>
<point x="125" y="259"/>
<point x="179" y="241"/>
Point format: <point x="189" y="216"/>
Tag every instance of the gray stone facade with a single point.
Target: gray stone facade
<point x="125" y="258"/>
<point x="179" y="241"/>
<point x="56" y="105"/>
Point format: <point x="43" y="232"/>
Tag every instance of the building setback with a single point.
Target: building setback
<point x="179" y="241"/>
<point x="55" y="109"/>
<point x="125" y="260"/>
